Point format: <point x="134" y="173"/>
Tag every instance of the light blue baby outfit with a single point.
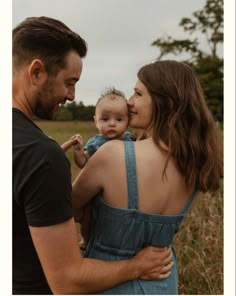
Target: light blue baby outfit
<point x="120" y="233"/>
<point x="96" y="142"/>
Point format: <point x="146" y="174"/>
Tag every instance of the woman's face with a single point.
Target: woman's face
<point x="140" y="107"/>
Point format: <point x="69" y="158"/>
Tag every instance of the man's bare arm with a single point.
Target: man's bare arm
<point x="67" y="272"/>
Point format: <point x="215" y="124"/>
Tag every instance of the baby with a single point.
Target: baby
<point x="111" y="119"/>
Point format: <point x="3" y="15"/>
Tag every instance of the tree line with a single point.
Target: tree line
<point x="206" y="23"/>
<point x="75" y="111"/>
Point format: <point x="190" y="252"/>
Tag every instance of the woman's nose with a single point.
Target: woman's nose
<point x="130" y="101"/>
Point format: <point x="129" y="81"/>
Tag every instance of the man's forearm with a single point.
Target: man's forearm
<point x="106" y="274"/>
<point x="67" y="145"/>
<point x="93" y="276"/>
<point x="69" y="273"/>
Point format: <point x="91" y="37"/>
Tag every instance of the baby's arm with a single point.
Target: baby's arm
<point x="80" y="156"/>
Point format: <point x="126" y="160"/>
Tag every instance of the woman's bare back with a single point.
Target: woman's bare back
<point x="156" y="195"/>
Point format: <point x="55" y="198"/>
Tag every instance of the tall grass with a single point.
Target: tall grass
<point x="199" y="243"/>
<point x="199" y="246"/>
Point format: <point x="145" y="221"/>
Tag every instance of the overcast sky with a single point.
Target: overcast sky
<point x="118" y="33"/>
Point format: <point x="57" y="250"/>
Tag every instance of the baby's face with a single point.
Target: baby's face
<point x="112" y="118"/>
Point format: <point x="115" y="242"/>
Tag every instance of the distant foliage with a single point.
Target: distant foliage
<point x="64" y="114"/>
<point x="210" y="73"/>
<point x="75" y="111"/>
<point x="208" y="65"/>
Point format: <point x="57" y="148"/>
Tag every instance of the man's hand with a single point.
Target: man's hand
<point x="155" y="263"/>
<point x="85" y="226"/>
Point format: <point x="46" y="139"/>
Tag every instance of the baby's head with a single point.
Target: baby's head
<point x="111" y="114"/>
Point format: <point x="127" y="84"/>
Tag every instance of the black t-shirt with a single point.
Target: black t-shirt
<point x="41" y="197"/>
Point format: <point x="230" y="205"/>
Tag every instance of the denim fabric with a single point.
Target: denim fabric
<point x="97" y="141"/>
<point x="120" y="233"/>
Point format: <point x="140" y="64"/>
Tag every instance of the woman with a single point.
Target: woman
<point x="144" y="189"/>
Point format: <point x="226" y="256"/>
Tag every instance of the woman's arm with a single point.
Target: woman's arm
<point x="90" y="180"/>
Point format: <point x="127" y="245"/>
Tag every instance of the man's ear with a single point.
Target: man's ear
<point x="36" y="71"/>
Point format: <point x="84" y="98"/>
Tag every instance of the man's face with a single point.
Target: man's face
<point x="58" y="89"/>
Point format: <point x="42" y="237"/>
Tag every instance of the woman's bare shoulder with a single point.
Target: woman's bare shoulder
<point x="109" y="150"/>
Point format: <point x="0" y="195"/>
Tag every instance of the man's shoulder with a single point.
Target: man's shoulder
<point x="50" y="151"/>
<point x="35" y="145"/>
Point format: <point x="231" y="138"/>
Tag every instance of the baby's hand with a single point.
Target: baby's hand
<point x="78" y="142"/>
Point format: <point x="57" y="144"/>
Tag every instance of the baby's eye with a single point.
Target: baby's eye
<point x="105" y="119"/>
<point x="119" y="119"/>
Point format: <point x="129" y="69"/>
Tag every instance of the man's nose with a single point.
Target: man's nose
<point x="71" y="95"/>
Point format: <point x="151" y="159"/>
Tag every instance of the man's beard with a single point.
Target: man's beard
<point x="42" y="111"/>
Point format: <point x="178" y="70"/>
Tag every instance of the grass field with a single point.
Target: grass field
<point x="199" y="243"/>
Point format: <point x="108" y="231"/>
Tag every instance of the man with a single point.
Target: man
<point x="47" y="63"/>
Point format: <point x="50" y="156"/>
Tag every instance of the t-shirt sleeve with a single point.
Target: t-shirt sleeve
<point x="47" y="192"/>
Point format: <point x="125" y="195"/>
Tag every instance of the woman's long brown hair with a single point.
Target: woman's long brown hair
<point x="182" y="120"/>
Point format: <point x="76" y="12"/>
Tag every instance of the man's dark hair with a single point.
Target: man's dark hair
<point x="47" y="39"/>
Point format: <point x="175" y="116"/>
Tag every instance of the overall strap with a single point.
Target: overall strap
<point x="131" y="175"/>
<point x="189" y="202"/>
